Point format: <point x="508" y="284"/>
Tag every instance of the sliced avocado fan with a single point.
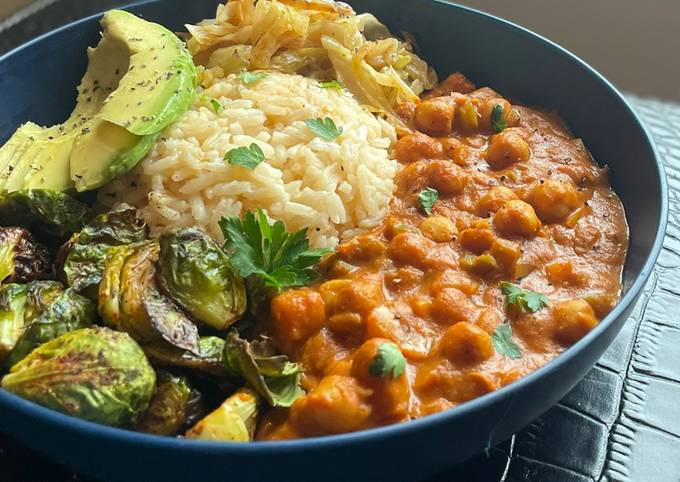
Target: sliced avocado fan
<point x="140" y="78"/>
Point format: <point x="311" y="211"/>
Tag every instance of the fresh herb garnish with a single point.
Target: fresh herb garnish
<point x="324" y="128"/>
<point x="251" y="77"/>
<point x="249" y="157"/>
<point x="497" y="121"/>
<point x="526" y="301"/>
<point x="388" y="361"/>
<point x="217" y="107"/>
<point x="503" y="343"/>
<point x="331" y="84"/>
<point x="427" y="198"/>
<point x="267" y="252"/>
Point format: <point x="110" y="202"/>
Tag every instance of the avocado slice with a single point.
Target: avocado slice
<point x="140" y="78"/>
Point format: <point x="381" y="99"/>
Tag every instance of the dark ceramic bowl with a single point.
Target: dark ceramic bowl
<point x="38" y="82"/>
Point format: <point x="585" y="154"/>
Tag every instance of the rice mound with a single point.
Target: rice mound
<point x="335" y="189"/>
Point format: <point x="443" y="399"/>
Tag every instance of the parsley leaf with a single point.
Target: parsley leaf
<point x="250" y="77"/>
<point x="248" y="157"/>
<point x="427" y="198"/>
<point x="526" y="301"/>
<point x="217" y="107"/>
<point x="388" y="361"/>
<point x="497" y="121"/>
<point x="324" y="128"/>
<point x="275" y="258"/>
<point x="331" y="84"/>
<point x="503" y="344"/>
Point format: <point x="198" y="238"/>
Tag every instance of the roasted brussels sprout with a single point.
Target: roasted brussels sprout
<point x="95" y="374"/>
<point x="40" y="295"/>
<point x="273" y="376"/>
<point x="209" y="359"/>
<point x="83" y="257"/>
<point x="130" y="301"/>
<point x="174" y="405"/>
<point x="233" y="421"/>
<point x="195" y="272"/>
<point x="21" y="258"/>
<point x="68" y="311"/>
<point x="51" y="213"/>
<point x="12" y="307"/>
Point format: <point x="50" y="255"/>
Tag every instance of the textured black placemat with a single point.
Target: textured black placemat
<point x="621" y="423"/>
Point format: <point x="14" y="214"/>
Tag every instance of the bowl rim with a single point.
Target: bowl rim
<point x="67" y="422"/>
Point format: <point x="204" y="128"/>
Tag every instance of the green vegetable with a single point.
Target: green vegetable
<point x="233" y="421"/>
<point x="39" y="296"/>
<point x="21" y="258"/>
<point x="387" y="362"/>
<point x="272" y="376"/>
<point x="497" y="121"/>
<point x="12" y="304"/>
<point x="217" y="107"/>
<point x="95" y="374"/>
<point x="525" y="301"/>
<point x="248" y="157"/>
<point x="324" y="128"/>
<point x="267" y="252"/>
<point x="503" y="343"/>
<point x="427" y="198"/>
<point x="130" y="301"/>
<point x="175" y="405"/>
<point x="209" y="359"/>
<point x="51" y="213"/>
<point x="195" y="272"/>
<point x="67" y="312"/>
<point x="331" y="84"/>
<point x="83" y="258"/>
<point x="251" y="77"/>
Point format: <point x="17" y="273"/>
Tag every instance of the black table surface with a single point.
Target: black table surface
<point x="621" y="423"/>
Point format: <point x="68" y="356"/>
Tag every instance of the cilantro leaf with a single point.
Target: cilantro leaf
<point x="388" y="361"/>
<point x="427" y="198"/>
<point x="324" y="128"/>
<point x="250" y="77"/>
<point x="503" y="343"/>
<point x="217" y="107"/>
<point x="331" y="84"/>
<point x="497" y="121"/>
<point x="249" y="157"/>
<point x="524" y="300"/>
<point x="267" y="253"/>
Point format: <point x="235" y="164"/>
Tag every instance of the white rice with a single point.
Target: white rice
<point x="335" y="189"/>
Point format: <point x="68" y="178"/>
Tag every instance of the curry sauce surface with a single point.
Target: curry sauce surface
<point x="520" y="200"/>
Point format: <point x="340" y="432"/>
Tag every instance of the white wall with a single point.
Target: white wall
<point x="634" y="43"/>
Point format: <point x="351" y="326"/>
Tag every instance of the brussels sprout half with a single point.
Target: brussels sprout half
<point x="21" y="258"/>
<point x="95" y="374"/>
<point x="12" y="307"/>
<point x="195" y="272"/>
<point x="209" y="359"/>
<point x="233" y="421"/>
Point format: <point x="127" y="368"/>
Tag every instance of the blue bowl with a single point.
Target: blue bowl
<point x="41" y="77"/>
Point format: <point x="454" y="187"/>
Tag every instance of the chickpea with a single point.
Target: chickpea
<point x="456" y="151"/>
<point x="438" y="228"/>
<point x="506" y="253"/>
<point x="553" y="200"/>
<point x="574" y="319"/>
<point x="390" y="395"/>
<point x="454" y="279"/>
<point x="446" y="177"/>
<point x="563" y="273"/>
<point x="361" y="296"/>
<point x="516" y="218"/>
<point x="476" y="240"/>
<point x="361" y="248"/>
<point x="451" y="305"/>
<point x="417" y="146"/>
<point x="297" y="314"/>
<point x="507" y="148"/>
<point x="485" y="109"/>
<point x="466" y="344"/>
<point x="493" y="200"/>
<point x="336" y="405"/>
<point x="411" y="249"/>
<point x="434" y="117"/>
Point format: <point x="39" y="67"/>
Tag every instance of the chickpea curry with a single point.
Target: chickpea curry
<point x="504" y="245"/>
